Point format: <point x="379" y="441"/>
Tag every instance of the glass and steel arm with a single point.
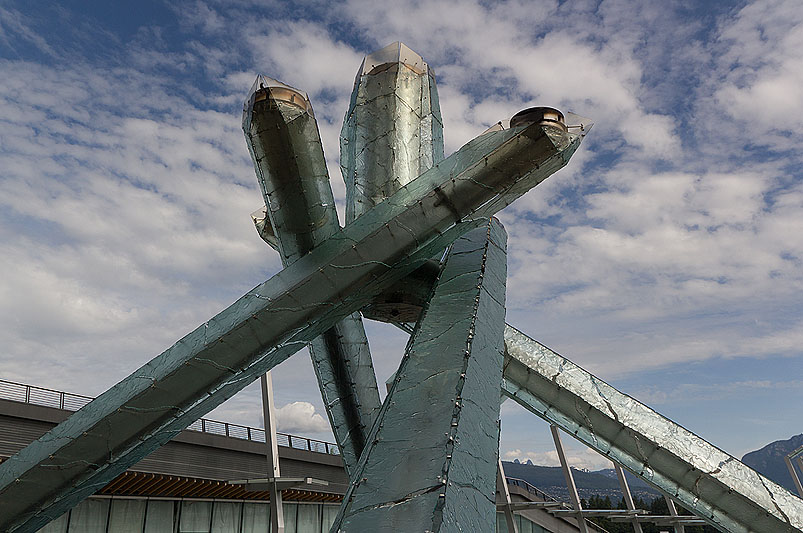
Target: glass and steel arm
<point x="273" y="321"/>
<point x="285" y="146"/>
<point x="712" y="484"/>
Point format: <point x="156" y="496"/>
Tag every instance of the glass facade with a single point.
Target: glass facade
<point x="523" y="525"/>
<point x="168" y="516"/>
<point x="189" y="516"/>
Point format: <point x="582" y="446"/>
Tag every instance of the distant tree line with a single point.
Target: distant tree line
<point x="656" y="507"/>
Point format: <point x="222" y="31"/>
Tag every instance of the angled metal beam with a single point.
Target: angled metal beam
<point x="271" y="322"/>
<point x="283" y="139"/>
<point x="673" y="511"/>
<point x="274" y="472"/>
<point x="342" y="362"/>
<point x="432" y="459"/>
<point x="507" y="507"/>
<point x="712" y="484"/>
<point x="567" y="474"/>
<point x="794" y="475"/>
<point x="631" y="506"/>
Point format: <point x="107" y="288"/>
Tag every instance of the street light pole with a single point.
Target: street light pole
<point x="269" y="415"/>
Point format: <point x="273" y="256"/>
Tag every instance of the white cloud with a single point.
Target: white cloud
<point x="115" y="211"/>
<point x="750" y="84"/>
<point x="15" y="28"/>
<point x="305" y="55"/>
<point x="653" y="249"/>
<point x="300" y="417"/>
<point x="763" y="85"/>
<point x="563" y="67"/>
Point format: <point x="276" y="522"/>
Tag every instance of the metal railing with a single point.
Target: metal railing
<point x="19" y="392"/>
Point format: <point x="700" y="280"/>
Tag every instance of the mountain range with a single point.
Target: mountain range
<point x="769" y="461"/>
<point x="550" y="480"/>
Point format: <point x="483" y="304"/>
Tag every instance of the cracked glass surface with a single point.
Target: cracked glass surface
<point x="273" y="321"/>
<point x="282" y="136"/>
<point x="706" y="480"/>
<point x="432" y="458"/>
<point x="285" y="145"/>
<point x="346" y="377"/>
<point x="393" y="129"/>
<point x="392" y="132"/>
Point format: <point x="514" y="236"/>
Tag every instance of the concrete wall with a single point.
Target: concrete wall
<point x="190" y="454"/>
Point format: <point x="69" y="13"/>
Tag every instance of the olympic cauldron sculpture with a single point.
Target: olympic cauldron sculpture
<point x="420" y="249"/>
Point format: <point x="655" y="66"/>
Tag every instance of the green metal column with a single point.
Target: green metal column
<point x="432" y="459"/>
<point x="282" y="136"/>
<point x="273" y="321"/>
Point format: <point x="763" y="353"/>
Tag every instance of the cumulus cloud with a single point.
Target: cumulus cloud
<point x="300" y="417"/>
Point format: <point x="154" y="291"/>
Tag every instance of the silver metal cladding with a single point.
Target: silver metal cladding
<point x="712" y="484"/>
<point x="283" y="138"/>
<point x="393" y="129"/>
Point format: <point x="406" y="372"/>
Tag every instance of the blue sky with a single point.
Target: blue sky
<point x="666" y="257"/>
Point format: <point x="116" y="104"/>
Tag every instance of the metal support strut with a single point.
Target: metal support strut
<point x="706" y="480"/>
<point x="567" y="474"/>
<point x="501" y="483"/>
<point x="274" y="472"/>
<point x="620" y="473"/>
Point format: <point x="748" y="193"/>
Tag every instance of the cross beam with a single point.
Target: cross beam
<point x="273" y="321"/>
